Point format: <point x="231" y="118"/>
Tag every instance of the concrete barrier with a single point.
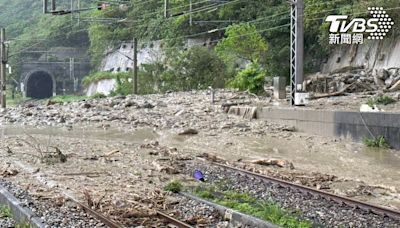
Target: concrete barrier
<point x="346" y="124"/>
<point x="21" y="214"/>
<point x="235" y="218"/>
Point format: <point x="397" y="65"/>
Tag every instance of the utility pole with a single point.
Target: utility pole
<point x="296" y="47"/>
<point x="135" y="67"/>
<point x="3" y="57"/>
<point x="53" y="5"/>
<point x="166" y="7"/>
<point x="190" y="10"/>
<point x="79" y="13"/>
<point x="45" y="6"/>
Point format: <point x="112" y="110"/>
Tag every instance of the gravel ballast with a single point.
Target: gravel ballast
<point x="65" y="214"/>
<point x="320" y="211"/>
<point x="7" y="222"/>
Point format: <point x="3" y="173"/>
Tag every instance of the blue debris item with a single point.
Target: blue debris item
<point x="198" y="175"/>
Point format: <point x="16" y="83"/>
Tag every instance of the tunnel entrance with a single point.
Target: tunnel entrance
<point x="39" y="85"/>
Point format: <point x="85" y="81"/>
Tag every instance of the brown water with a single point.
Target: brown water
<point x="308" y="153"/>
<point x="137" y="136"/>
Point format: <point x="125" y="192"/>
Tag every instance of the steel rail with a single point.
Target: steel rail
<point x="110" y="223"/>
<point x="172" y="220"/>
<point x="113" y="224"/>
<point x="336" y="198"/>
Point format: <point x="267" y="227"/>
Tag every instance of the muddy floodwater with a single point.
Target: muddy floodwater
<point x="308" y="153"/>
<point x="342" y="158"/>
<point x="130" y="146"/>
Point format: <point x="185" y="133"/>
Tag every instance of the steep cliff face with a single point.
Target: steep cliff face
<point x="371" y="55"/>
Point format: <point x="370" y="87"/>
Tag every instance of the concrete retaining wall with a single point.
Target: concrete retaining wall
<point x="353" y="125"/>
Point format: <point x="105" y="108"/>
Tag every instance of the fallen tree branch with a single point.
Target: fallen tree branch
<point x="225" y="105"/>
<point x="335" y="94"/>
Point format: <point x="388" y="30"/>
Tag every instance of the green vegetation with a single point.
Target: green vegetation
<point x="23" y="225"/>
<point x="67" y="99"/>
<point x="174" y="186"/>
<point x="252" y="79"/>
<point x="5" y="212"/>
<point x="14" y="100"/>
<point x="97" y="76"/>
<point x="196" y="68"/>
<point x="381" y="100"/>
<point x="251" y="40"/>
<point x="97" y="96"/>
<point x="245" y="203"/>
<point x="378" y="142"/>
<point x="242" y="41"/>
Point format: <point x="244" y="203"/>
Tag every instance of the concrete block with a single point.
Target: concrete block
<point x="279" y="87"/>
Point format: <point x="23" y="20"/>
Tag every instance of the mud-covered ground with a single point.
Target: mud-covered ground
<point x="123" y="150"/>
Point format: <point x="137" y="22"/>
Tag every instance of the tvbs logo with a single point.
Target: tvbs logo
<point x="343" y="31"/>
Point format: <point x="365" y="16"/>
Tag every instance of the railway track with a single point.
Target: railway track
<point x="114" y="224"/>
<point x="26" y="215"/>
<point x="369" y="208"/>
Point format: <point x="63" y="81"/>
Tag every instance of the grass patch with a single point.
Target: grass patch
<point x="98" y="96"/>
<point x="5" y="212"/>
<point x="97" y="76"/>
<point x="68" y="99"/>
<point x="382" y="100"/>
<point x="174" y="186"/>
<point x="378" y="142"/>
<point x="245" y="203"/>
<point x="18" y="98"/>
<point x="23" y="225"/>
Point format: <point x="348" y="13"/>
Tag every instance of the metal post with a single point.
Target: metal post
<point x="72" y="9"/>
<point x="135" y="67"/>
<point x="53" y="5"/>
<point x="45" y="6"/>
<point x="79" y="13"/>
<point x="3" y="64"/>
<point x="71" y="68"/>
<point x="166" y="6"/>
<point x="190" y="15"/>
<point x="297" y="47"/>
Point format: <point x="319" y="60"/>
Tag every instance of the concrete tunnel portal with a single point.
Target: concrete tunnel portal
<point x="40" y="85"/>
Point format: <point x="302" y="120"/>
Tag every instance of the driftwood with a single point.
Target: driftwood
<point x="335" y="94"/>
<point x="395" y="87"/>
<point x="111" y="153"/>
<point x="228" y="105"/>
<point x="274" y="162"/>
<point x="189" y="131"/>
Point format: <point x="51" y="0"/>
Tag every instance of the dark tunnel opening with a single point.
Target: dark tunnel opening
<point x="39" y="85"/>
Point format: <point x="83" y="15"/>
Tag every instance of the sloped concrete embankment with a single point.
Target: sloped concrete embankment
<point x="346" y="124"/>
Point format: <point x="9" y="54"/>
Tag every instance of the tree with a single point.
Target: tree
<point x="242" y="41"/>
<point x="196" y="68"/>
<point x="252" y="78"/>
